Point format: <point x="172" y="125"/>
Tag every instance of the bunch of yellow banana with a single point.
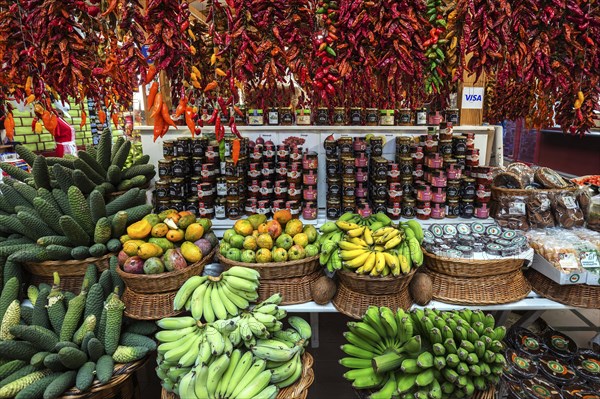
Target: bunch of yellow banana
<point x="211" y="298"/>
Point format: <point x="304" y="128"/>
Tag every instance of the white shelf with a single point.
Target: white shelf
<point x="320" y="129"/>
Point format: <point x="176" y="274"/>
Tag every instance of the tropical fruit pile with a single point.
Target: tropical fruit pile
<point x="165" y="242"/>
<point x="238" y="352"/>
<point x="66" y="341"/>
<point x="256" y="240"/>
<point x="370" y="248"/>
<point x="424" y="353"/>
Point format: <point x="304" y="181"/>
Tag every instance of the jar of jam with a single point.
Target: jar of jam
<point x="406" y="166"/>
<point x="379" y="206"/>
<point x="484" y="175"/>
<point x="345" y="146"/>
<point x="294" y="192"/>
<point x="191" y="204"/>
<point x="430" y="143"/>
<point x="277" y="205"/>
<point x="178" y="166"/>
<point x="483" y="194"/>
<point x="394" y="210"/>
<point x="294" y="208"/>
<point x="263" y="207"/>
<point x="468" y="189"/>
<point x="408" y="208"/>
<point x="282" y="153"/>
<point x="379" y="167"/>
<point x="423" y="210"/>
<point x="206" y="192"/>
<point x="309" y="193"/>
<point x="404" y="117"/>
<point x="361" y="160"/>
<point x="161" y="189"/>
<point x="446" y="132"/>
<point x="407" y="186"/>
<point x="233" y="188"/>
<point x="376" y="146"/>
<point x="334" y="185"/>
<point x="169" y="149"/>
<point x="273" y="116"/>
<point x="421" y="117"/>
<point x="393" y="174"/>
<point x="254" y="188"/>
<point x="296" y="154"/>
<point x="467" y="209"/>
<point x="162" y="205"/>
<point x="310" y="161"/>
<point x="417" y="155"/>
<point x="280" y="189"/>
<point x="452" y="115"/>
<point x="470" y="140"/>
<point x="256" y="156"/>
<point x="371" y="117"/>
<point x="434" y="161"/>
<point x="459" y="145"/>
<point x="281" y="170"/>
<point x="269" y="152"/>
<point x="418" y="172"/>
<point x="348" y="166"/>
<point x="356" y="116"/>
<point x="453" y="189"/>
<point x="452" y="209"/>
<point x="294" y="174"/>
<point x="334" y="207"/>
<point x="439" y="195"/>
<point x="473" y="157"/>
<point x="482" y="211"/>
<point x="303" y="116"/>
<point x="165" y="168"/>
<point x="286" y="116"/>
<point x="183" y="145"/>
<point x="332" y="167"/>
<point x="220" y="208"/>
<point x="434" y="118"/>
<point x="310" y="211"/>
<point x="348" y="206"/>
<point x="445" y="148"/>
<point x="361" y="191"/>
<point x="322" y="116"/>
<point x="339" y="116"/>
<point x="348" y="186"/>
<point x="178" y="205"/>
<point x="438" y="211"/>
<point x="177" y="189"/>
<point x="424" y="193"/>
<point x="386" y="117"/>
<point x="438" y="179"/>
<point x="461" y="161"/>
<point x="309" y="178"/>
<point x="395" y="191"/>
<point x="359" y="145"/>
<point x="233" y="209"/>
<point x="331" y="148"/>
<point x="254" y="170"/>
<point x="364" y="210"/>
<point x="250" y="208"/>
<point x="453" y="172"/>
<point x="267" y="170"/>
<point x="379" y="189"/>
<point x="403" y="144"/>
<point x="362" y="176"/>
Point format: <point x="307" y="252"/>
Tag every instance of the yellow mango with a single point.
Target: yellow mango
<point x="191" y="252"/>
<point x="194" y="232"/>
<point x="139" y="230"/>
<point x="149" y="250"/>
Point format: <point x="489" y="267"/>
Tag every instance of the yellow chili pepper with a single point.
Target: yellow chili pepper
<point x="220" y="72"/>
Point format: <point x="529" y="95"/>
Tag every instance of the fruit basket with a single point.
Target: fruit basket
<point x="458" y="267"/>
<point x="71" y="271"/>
<point x="577" y="295"/>
<point x="277" y="270"/>
<point x="298" y="390"/>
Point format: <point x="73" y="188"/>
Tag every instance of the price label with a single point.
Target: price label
<point x="570" y="202"/>
<point x="568" y="261"/>
<point x="517" y="208"/>
<point x="589" y="259"/>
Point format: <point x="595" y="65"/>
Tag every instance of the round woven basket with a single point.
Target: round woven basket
<point x="510" y="192"/>
<point x="121" y="385"/>
<point x="470" y="268"/>
<point x="355" y="304"/>
<point x="149" y="306"/>
<point x="294" y="290"/>
<point x="276" y="270"/>
<point x="71" y="271"/>
<point x="578" y="295"/>
<point x="365" y="284"/>
<point x="298" y="390"/>
<point x="485" y="290"/>
<point x="164" y="282"/>
<point x="489" y="394"/>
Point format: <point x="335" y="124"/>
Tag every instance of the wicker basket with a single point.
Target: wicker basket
<point x="354" y="304"/>
<point x="365" y="284"/>
<point x="122" y="385"/>
<point x="470" y="268"/>
<point x="164" y="282"/>
<point x="298" y="390"/>
<point x="294" y="290"/>
<point x="489" y="394"/>
<point x="485" y="290"/>
<point x="510" y="192"/>
<point x="71" y="271"/>
<point x="149" y="306"/>
<point x="578" y="295"/>
<point x="277" y="270"/>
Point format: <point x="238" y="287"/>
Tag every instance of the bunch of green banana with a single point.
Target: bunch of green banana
<point x="461" y="353"/>
<point x="375" y="221"/>
<point x="331" y="234"/>
<point x="212" y="298"/>
<point x="259" y="323"/>
<point x="379" y="253"/>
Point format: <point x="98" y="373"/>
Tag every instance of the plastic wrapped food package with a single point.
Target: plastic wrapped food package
<point x="566" y="210"/>
<point x="539" y="210"/>
<point x="511" y="212"/>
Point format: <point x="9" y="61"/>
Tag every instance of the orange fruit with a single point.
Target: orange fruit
<point x="283" y="216"/>
<point x="175" y="235"/>
<point x="243" y="227"/>
<point x="194" y="232"/>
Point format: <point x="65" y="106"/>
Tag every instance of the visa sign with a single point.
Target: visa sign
<point x="472" y="98"/>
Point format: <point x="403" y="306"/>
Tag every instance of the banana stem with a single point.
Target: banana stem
<point x="214" y="279"/>
<point x="387" y="362"/>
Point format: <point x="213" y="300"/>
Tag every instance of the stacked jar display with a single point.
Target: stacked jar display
<point x="378" y="174"/>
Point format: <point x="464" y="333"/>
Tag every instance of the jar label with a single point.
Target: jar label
<point x="424" y="211"/>
<point x="302" y="119"/>
<point x="394" y="211"/>
<point x="408" y="212"/>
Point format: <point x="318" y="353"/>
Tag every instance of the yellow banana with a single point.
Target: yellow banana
<point x="352" y="254"/>
<point x="391" y="261"/>
<point x="357" y="261"/>
<point x="382" y="231"/>
<point x="379" y="262"/>
<point x="369" y="263"/>
<point x="356" y="232"/>
<point x="346" y="245"/>
<point x="346" y="226"/>
<point x="358" y="241"/>
<point x="368" y="236"/>
<point x="394" y="242"/>
<point x="404" y="265"/>
<point x="379" y="248"/>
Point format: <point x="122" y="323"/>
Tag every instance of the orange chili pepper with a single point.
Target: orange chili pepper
<point x="238" y="111"/>
<point x="9" y="126"/>
<point x="38" y="109"/>
<point x="180" y="110"/>
<point x="83" y="119"/>
<point x="235" y="151"/>
<point x="28" y="83"/>
<point x="323" y="46"/>
<point x="166" y="116"/>
<point x="211" y="86"/>
<point x="111" y="7"/>
<point x="102" y="116"/>
<point x="152" y="71"/>
<point x="220" y="72"/>
<point x="152" y="93"/>
<point x="159" y="125"/>
<point x="115" y="119"/>
<point x="158" y="101"/>
<point x="165" y="130"/>
<point x="189" y="120"/>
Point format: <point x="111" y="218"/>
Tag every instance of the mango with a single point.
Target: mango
<point x="162" y="242"/>
<point x="194" y="232"/>
<point x="131" y="247"/>
<point x="148" y="250"/>
<point x="191" y="252"/>
<point x="206" y="223"/>
<point x="139" y="230"/>
<point x="153" y="266"/>
<point x="185" y="221"/>
<point x="175" y="235"/>
<point x="165" y="214"/>
<point x="159" y="230"/>
<point x="174" y="260"/>
<point x="152" y="218"/>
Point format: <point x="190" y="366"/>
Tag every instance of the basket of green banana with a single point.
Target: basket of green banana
<point x="67" y="345"/>
<point x="424" y="353"/>
<point x="226" y="349"/>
